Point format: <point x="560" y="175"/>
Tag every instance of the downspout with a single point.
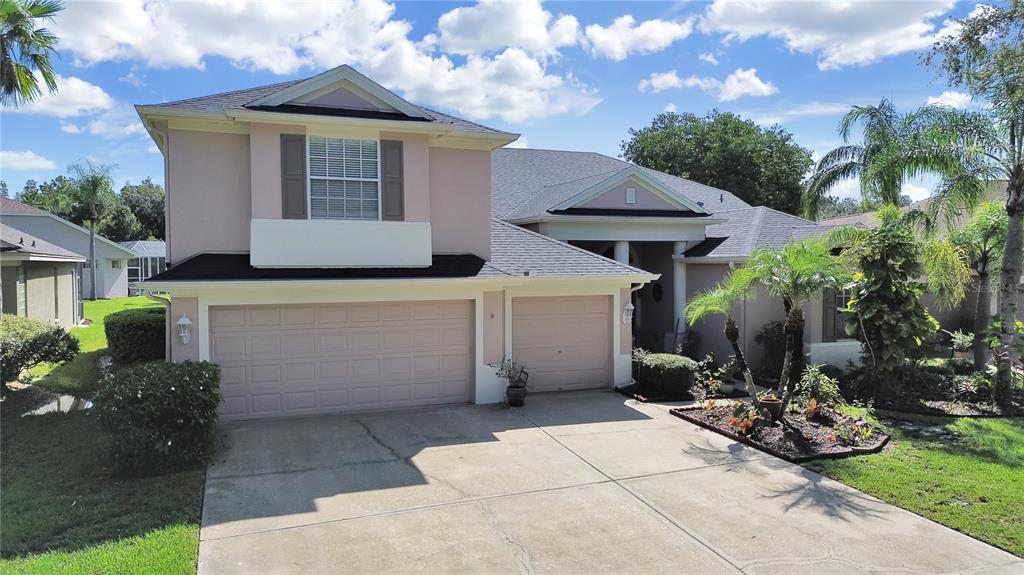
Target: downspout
<point x="167" y="322"/>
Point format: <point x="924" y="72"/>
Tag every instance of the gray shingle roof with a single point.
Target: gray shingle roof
<point x="14" y="240"/>
<point x="747" y="229"/>
<point x="9" y="206"/>
<point x="238" y="99"/>
<point x="528" y="182"/>
<point x="515" y="251"/>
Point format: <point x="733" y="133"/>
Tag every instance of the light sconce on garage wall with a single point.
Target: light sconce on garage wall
<point x="627" y="312"/>
<point x="184" y="329"/>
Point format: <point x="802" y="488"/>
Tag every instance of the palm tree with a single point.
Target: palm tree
<point x="721" y="300"/>
<point x="982" y="240"/>
<point x="985" y="55"/>
<point x="793" y="273"/>
<point x="25" y="49"/>
<point x="92" y="194"/>
<point x="884" y="130"/>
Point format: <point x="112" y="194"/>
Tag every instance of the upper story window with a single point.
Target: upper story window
<point x="344" y="178"/>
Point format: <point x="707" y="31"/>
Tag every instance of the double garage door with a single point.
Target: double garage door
<point x="281" y="360"/>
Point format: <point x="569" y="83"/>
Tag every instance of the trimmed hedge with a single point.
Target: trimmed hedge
<point x="161" y="415"/>
<point x="136" y="335"/>
<point x="665" y="373"/>
<point x="26" y="342"/>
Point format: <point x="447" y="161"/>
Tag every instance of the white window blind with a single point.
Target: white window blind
<point x="343" y="178"/>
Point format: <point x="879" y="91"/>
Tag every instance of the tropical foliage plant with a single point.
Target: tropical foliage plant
<point x="26" y="48"/>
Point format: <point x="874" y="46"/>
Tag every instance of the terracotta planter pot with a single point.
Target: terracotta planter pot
<point x="516" y="396"/>
<point x="963" y="354"/>
<point x="774" y="407"/>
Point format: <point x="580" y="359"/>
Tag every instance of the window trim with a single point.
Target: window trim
<point x="309" y="176"/>
<point x="834" y="309"/>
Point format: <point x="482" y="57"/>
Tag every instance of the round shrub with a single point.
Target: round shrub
<point x="26" y="342"/>
<point x="666" y="373"/>
<point x="135" y="335"/>
<point x="161" y="415"/>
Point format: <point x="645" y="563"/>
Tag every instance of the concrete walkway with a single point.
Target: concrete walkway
<point x="582" y="482"/>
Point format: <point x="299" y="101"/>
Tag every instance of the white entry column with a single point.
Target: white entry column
<point x="679" y="288"/>
<point x="622" y="252"/>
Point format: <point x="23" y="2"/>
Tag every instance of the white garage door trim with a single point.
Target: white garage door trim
<point x="564" y="342"/>
<point x="285" y="360"/>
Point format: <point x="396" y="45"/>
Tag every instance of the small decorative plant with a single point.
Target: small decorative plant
<point x="516" y="376"/>
<point x="962" y="342"/>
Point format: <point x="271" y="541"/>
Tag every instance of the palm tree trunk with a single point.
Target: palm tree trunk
<point x="92" y="258"/>
<point x="794" y="347"/>
<point x="981" y="319"/>
<point x="1009" y="280"/>
<point x="732" y="333"/>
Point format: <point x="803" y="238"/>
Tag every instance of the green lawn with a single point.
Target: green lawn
<point x="80" y="374"/>
<point x="63" y="511"/>
<point x="969" y="480"/>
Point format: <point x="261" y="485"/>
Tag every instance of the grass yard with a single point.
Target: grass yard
<point x="964" y="473"/>
<point x="63" y="512"/>
<point x="80" y="374"/>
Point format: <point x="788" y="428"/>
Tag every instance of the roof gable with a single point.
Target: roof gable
<point x="617" y="197"/>
<point x="619" y="179"/>
<point x="340" y="86"/>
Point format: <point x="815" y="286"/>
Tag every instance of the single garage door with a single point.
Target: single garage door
<point x="281" y="360"/>
<point x="563" y="342"/>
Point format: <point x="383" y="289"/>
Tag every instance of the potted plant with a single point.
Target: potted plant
<point x="517" y="377"/>
<point x="963" y="344"/>
<point x="772" y="404"/>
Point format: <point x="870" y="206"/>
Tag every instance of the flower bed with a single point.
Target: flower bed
<point x="825" y="434"/>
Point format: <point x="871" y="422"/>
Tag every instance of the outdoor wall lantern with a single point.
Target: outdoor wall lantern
<point x="184" y="329"/>
<point x="627" y="312"/>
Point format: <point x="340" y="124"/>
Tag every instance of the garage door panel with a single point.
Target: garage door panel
<point x="563" y="342"/>
<point x="333" y="357"/>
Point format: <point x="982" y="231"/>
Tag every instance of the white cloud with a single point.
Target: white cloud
<point x="74" y="97"/>
<point x="840" y="32"/>
<point x="134" y="79"/>
<point x="952" y="99"/>
<point x="496" y="24"/>
<point x="625" y="36"/>
<point x="671" y="108"/>
<point x="513" y="83"/>
<point x="815" y="108"/>
<point x="27" y="160"/>
<point x="915" y="191"/>
<point x="120" y="122"/>
<point x="69" y="128"/>
<point x="520" y="143"/>
<point x="708" y="58"/>
<point x="738" y="84"/>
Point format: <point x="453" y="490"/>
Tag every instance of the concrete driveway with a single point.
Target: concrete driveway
<point x="581" y="482"/>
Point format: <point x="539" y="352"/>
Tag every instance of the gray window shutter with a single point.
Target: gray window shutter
<point x="293" y="176"/>
<point x="392" y="193"/>
<point x="829" y="313"/>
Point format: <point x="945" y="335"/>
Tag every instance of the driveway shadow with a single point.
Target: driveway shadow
<point x="813" y="494"/>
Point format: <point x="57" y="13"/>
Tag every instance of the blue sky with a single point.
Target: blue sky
<point x="566" y="75"/>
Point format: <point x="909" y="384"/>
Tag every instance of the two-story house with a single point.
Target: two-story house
<point x="332" y="247"/>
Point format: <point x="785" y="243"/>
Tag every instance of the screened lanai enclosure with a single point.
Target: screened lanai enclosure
<point x="150" y="259"/>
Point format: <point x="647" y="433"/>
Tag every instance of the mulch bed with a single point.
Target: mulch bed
<point x="633" y="390"/>
<point x="803" y="440"/>
<point x="947" y="408"/>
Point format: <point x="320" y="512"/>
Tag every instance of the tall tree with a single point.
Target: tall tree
<point x="119" y="224"/>
<point x="985" y="55"/>
<point x="722" y="300"/>
<point x="982" y="240"/>
<point x="146" y="201"/>
<point x="25" y="49"/>
<point x="762" y="166"/>
<point x="56" y="196"/>
<point x="3" y="190"/>
<point x="93" y="187"/>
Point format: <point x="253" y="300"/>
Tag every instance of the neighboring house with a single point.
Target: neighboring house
<point x="111" y="258"/>
<point x="38" y="279"/>
<point x="150" y="259"/>
<point x="690" y="234"/>
<point x="331" y="246"/>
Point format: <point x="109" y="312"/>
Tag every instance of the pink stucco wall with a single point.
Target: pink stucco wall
<point x="494" y="327"/>
<point x="615" y="198"/>
<point x="460" y="201"/>
<point x="415" y="174"/>
<point x="190" y="307"/>
<point x="209" y="201"/>
<point x="265" y="156"/>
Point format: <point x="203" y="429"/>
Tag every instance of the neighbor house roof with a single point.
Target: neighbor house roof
<point x="528" y="183"/>
<point x="16" y="244"/>
<point x="747" y="229"/>
<point x="147" y="248"/>
<point x="14" y="209"/>
<point x="248" y="99"/>
<point x="515" y="252"/>
<point x="994" y="190"/>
